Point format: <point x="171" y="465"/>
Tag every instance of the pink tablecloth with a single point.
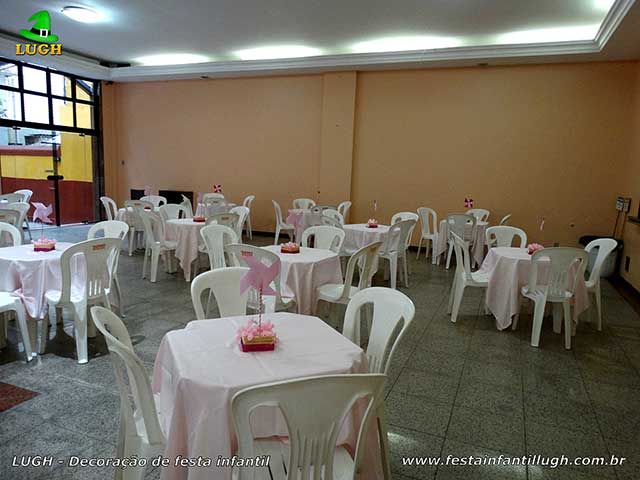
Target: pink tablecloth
<point x="186" y="233"/>
<point x="30" y="274"/>
<point x="508" y="269"/>
<point x="199" y="369"/>
<point x="357" y="235"/>
<point x="301" y="273"/>
<point x="477" y="236"/>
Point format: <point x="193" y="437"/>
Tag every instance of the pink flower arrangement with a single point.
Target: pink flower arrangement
<point x="289" y="245"/>
<point x="372" y="223"/>
<point x="256" y="330"/>
<point x="534" y="247"/>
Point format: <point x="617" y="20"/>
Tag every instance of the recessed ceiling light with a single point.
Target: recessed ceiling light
<point x="82" y="14"/>
<point x="604" y="5"/>
<point x="171" y="59"/>
<point x="277" y="51"/>
<point x="404" y="44"/>
<point x="549" y="35"/>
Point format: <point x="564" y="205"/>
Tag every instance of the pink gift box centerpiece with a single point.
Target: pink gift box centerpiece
<point x="372" y="223"/>
<point x="533" y="248"/>
<point x="257" y="337"/>
<point x="289" y="247"/>
<point x="44" y="245"/>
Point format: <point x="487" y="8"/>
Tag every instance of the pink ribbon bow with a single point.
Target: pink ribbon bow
<point x="42" y="212"/>
<point x="294" y="218"/>
<point x="468" y="202"/>
<point x="217" y="188"/>
<point x="147" y="190"/>
<point x="259" y="275"/>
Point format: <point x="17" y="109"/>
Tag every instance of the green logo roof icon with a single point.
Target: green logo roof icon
<point x="41" y="31"/>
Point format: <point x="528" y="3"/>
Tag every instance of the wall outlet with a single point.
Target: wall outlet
<point x="627" y="261"/>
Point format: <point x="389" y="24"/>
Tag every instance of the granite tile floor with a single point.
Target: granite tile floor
<point x="454" y="389"/>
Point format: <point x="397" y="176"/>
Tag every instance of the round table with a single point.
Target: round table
<point x="198" y="370"/>
<point x="302" y="273"/>
<point x="357" y="235"/>
<point x="508" y="270"/>
<point x="186" y="233"/>
<point x="477" y="236"/>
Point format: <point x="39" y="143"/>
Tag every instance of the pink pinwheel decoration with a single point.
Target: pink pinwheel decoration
<point x="217" y="188"/>
<point x="259" y="277"/>
<point x="468" y="202"/>
<point x="294" y="218"/>
<point x="147" y="190"/>
<point x="42" y="212"/>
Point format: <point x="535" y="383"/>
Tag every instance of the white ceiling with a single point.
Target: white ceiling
<point x="337" y="29"/>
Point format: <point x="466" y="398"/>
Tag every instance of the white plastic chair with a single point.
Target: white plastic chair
<point x="26" y="194"/>
<point x="8" y="231"/>
<point x="463" y="225"/>
<point x="605" y="246"/>
<point x="243" y="214"/>
<point x="133" y="208"/>
<point x="325" y="237"/>
<point x="212" y="196"/>
<point x="156" y="200"/>
<point x="215" y="238"/>
<point x="155" y="247"/>
<point x="397" y="217"/>
<point x="343" y="209"/>
<point x="313" y="409"/>
<point x="11" y="197"/>
<point x="10" y="216"/>
<point x="394" y="249"/>
<point x="112" y="229"/>
<point x="23" y="209"/>
<point x="236" y="254"/>
<point x="186" y="203"/>
<point x="481" y="214"/>
<point x="172" y="211"/>
<point x="335" y="215"/>
<point x="110" y="207"/>
<point x="505" y="220"/>
<point x="227" y="219"/>
<point x="304" y="203"/>
<point x="565" y="263"/>
<point x="503" y="235"/>
<point x="10" y="303"/>
<point x="428" y="231"/>
<point x="366" y="258"/>
<point x="247" y="203"/>
<point x="280" y="224"/>
<point x="140" y="434"/>
<point x="224" y="285"/>
<point x="463" y="276"/>
<point x="97" y="253"/>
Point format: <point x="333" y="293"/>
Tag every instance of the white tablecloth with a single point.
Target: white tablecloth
<point x="508" y="269"/>
<point x="201" y="211"/>
<point x="301" y="273"/>
<point x="309" y="219"/>
<point x="186" y="233"/>
<point x="30" y="274"/>
<point x="357" y="235"/>
<point x="199" y="369"/>
<point x="478" y="239"/>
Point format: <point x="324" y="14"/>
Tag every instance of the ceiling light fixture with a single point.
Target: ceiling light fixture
<point x="550" y="35"/>
<point x="403" y="44"/>
<point x="277" y="51"/>
<point x="171" y="59"/>
<point x="82" y="14"/>
<point x="603" y="5"/>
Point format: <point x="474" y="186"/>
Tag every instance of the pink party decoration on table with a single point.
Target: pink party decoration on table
<point x="259" y="275"/>
<point x="289" y="247"/>
<point x="257" y="337"/>
<point x="217" y="188"/>
<point x="147" y="190"/>
<point x="42" y="212"/>
<point x="468" y="202"/>
<point x="372" y="223"/>
<point x="534" y="247"/>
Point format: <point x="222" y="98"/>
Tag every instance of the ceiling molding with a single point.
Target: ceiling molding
<point x="613" y="19"/>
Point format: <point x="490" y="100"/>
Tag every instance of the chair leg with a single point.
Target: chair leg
<point x="118" y="292"/>
<point x="557" y="318"/>
<point x="419" y="245"/>
<point x="249" y="232"/>
<point x="275" y="240"/>
<point x="598" y="305"/>
<point x="516" y="317"/>
<point x="393" y="270"/>
<point x="80" y="331"/>
<point x="132" y="239"/>
<point x="568" y="328"/>
<point x="457" y="300"/>
<point x="44" y="333"/>
<point x="21" y="320"/>
<point x="452" y="293"/>
<point x="384" y="442"/>
<point x="536" y="328"/>
<point x="155" y="258"/>
<point x="406" y="272"/>
<point x="147" y="253"/>
<point x="449" y="254"/>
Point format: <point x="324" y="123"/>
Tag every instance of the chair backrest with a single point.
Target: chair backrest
<point x="304" y="203"/>
<point x="10" y="216"/>
<point x="140" y="204"/>
<point x="398" y="236"/>
<point x="138" y="386"/>
<point x="502" y="236"/>
<point x="393" y="312"/>
<point x="563" y="260"/>
<point x="172" y="211"/>
<point x="366" y="257"/>
<point x="460" y="222"/>
<point x="605" y="246"/>
<point x="335" y="214"/>
<point x="343" y="209"/>
<point x="156" y="200"/>
<point x="428" y="221"/>
<point x="248" y="200"/>
<point x="212" y="196"/>
<point x="227" y="219"/>
<point x="110" y="207"/>
<point x="398" y="217"/>
<point x="215" y="238"/>
<point x="325" y="237"/>
<point x="312" y="438"/>
<point x="243" y="213"/>
<point x="481" y="214"/>
<point x="147" y="224"/>
<point x="98" y="255"/>
<point x="22" y="208"/>
<point x="8" y="230"/>
<point x="109" y="229"/>
<point x="278" y="210"/>
<point x="224" y="284"/>
<point x="331" y="221"/>
<point x="26" y="194"/>
<point x="463" y="259"/>
<point x="188" y="208"/>
<point x="505" y="220"/>
<point x="11" y="197"/>
<point x="237" y="252"/>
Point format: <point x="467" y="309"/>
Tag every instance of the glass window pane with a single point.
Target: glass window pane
<point x="84" y="115"/>
<point x="63" y="112"/>
<point x="84" y="90"/>
<point x="9" y="74"/>
<point x="60" y="85"/>
<point x="36" y="108"/>
<point x="34" y="79"/>
<point x="10" y="105"/>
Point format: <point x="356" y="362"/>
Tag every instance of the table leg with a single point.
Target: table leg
<point x="3" y="329"/>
